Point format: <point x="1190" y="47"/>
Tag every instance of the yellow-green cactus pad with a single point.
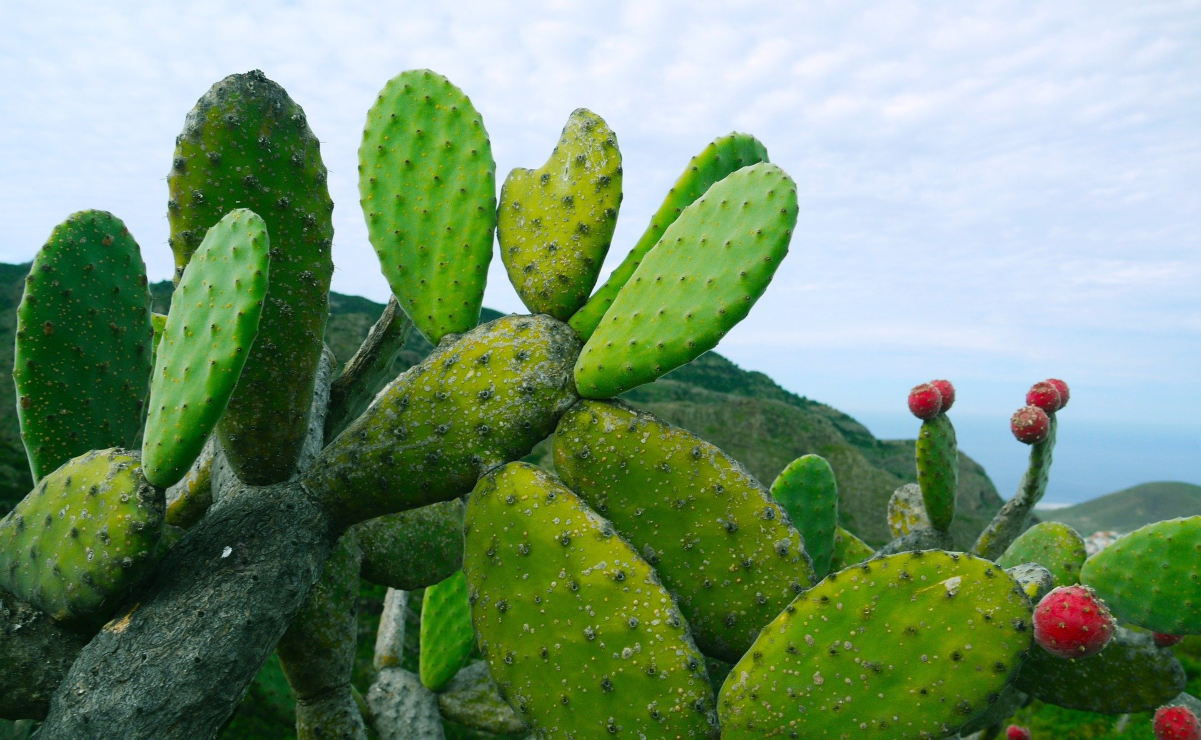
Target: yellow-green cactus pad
<point x="808" y="492"/>
<point x="88" y="531"/>
<point x="1055" y="546"/>
<point x="476" y="402"/>
<point x="580" y="636"/>
<point x="724" y="155"/>
<point x="848" y="550"/>
<point x="721" y="544"/>
<point x="446" y="635"/>
<point x="698" y="282"/>
<point x="1152" y="576"/>
<point x="210" y="330"/>
<point x="83" y="348"/>
<point x="555" y="223"/>
<point x="427" y="185"/>
<point x="907" y="511"/>
<point x="938" y="470"/>
<point x="911" y="645"/>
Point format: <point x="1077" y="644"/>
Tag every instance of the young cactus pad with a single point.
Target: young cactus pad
<point x="484" y="399"/>
<point x="555" y="223"/>
<point x="1152" y="576"/>
<point x="938" y="470"/>
<point x="427" y="184"/>
<point x="446" y="636"/>
<point x="246" y="144"/>
<point x="1053" y="545"/>
<point x="580" y="636"/>
<point x="722" y="156"/>
<point x="209" y="334"/>
<point x="698" y="282"/>
<point x="809" y="493"/>
<point x="718" y="540"/>
<point x="83" y="347"/>
<point x="86" y="534"/>
<point x="911" y="645"/>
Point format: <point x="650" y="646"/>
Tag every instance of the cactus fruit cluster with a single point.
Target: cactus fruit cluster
<point x="648" y="588"/>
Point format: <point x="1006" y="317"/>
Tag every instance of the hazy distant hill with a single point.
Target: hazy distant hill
<point x="1129" y="509"/>
<point x="745" y="413"/>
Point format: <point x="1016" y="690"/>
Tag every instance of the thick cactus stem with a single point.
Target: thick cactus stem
<point x="1011" y="519"/>
<point x="36" y="653"/>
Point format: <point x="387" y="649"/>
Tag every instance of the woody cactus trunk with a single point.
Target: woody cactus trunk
<point x="142" y="588"/>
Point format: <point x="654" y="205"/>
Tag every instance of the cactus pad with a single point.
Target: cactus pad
<point x="486" y="398"/>
<point x="1152" y="576"/>
<point x="721" y="544"/>
<point x="848" y="550"/>
<point x="427" y="184"/>
<point x="808" y="492"/>
<point x="700" y="280"/>
<point x="446" y="636"/>
<point x="907" y="511"/>
<point x="555" y="223"/>
<point x="209" y="334"/>
<point x="83" y="348"/>
<point x="1055" y="546"/>
<point x="579" y="635"/>
<point x="413" y="549"/>
<point x="88" y="532"/>
<point x="912" y="645"/>
<point x="938" y="470"/>
<point x="722" y="156"/>
<point x="246" y="144"/>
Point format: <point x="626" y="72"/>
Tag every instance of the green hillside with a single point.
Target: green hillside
<point x="1129" y="509"/>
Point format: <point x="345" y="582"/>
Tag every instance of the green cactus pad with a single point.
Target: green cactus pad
<point x="415" y="548"/>
<point x="1129" y="675"/>
<point x="938" y="470"/>
<point x="210" y="331"/>
<point x="427" y="184"/>
<point x="555" y="223"/>
<point x="848" y="550"/>
<point x="1152" y="576"/>
<point x="158" y="322"/>
<point x="723" y="155"/>
<point x="88" y="532"/>
<point x="907" y="511"/>
<point x="912" y="645"/>
<point x="808" y="492"/>
<point x="1055" y="546"/>
<point x="700" y="280"/>
<point x="84" y="348"/>
<point x="446" y="636"/>
<point x="580" y="636"/>
<point x="246" y="144"/>
<point x="721" y="544"/>
<point x="484" y="399"/>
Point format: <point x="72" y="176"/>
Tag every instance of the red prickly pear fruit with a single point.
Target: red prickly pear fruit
<point x="1017" y="732"/>
<point x="1165" y="640"/>
<point x="1045" y="396"/>
<point x="1030" y="424"/>
<point x="1062" y="387"/>
<point x="1071" y="622"/>
<point x="1176" y="723"/>
<point x="948" y="393"/>
<point x="925" y="401"/>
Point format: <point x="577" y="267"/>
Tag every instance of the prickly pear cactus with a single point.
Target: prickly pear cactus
<point x="209" y="334"/>
<point x="1152" y="576"/>
<point x="701" y="279"/>
<point x="580" y="636"/>
<point x="83" y="347"/>
<point x="246" y="144"/>
<point x="907" y="511"/>
<point x="718" y="540"/>
<point x="555" y="223"/>
<point x="938" y="470"/>
<point x="848" y="550"/>
<point x="1055" y="546"/>
<point x="721" y="157"/>
<point x="446" y="636"/>
<point x="809" y="493"/>
<point x="908" y="646"/>
<point x="87" y="533"/>
<point x="427" y="184"/>
<point x="413" y="549"/>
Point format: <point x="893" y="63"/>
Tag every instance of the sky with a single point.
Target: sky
<point x="990" y="192"/>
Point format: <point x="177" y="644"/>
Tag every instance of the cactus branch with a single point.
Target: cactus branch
<point x="1011" y="519"/>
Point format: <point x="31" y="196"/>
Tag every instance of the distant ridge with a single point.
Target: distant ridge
<point x="1131" y="508"/>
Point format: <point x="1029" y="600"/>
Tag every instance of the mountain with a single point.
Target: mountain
<point x="1128" y="509"/>
<point x="743" y="412"/>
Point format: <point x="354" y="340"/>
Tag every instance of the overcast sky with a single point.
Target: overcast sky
<point x="993" y="192"/>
